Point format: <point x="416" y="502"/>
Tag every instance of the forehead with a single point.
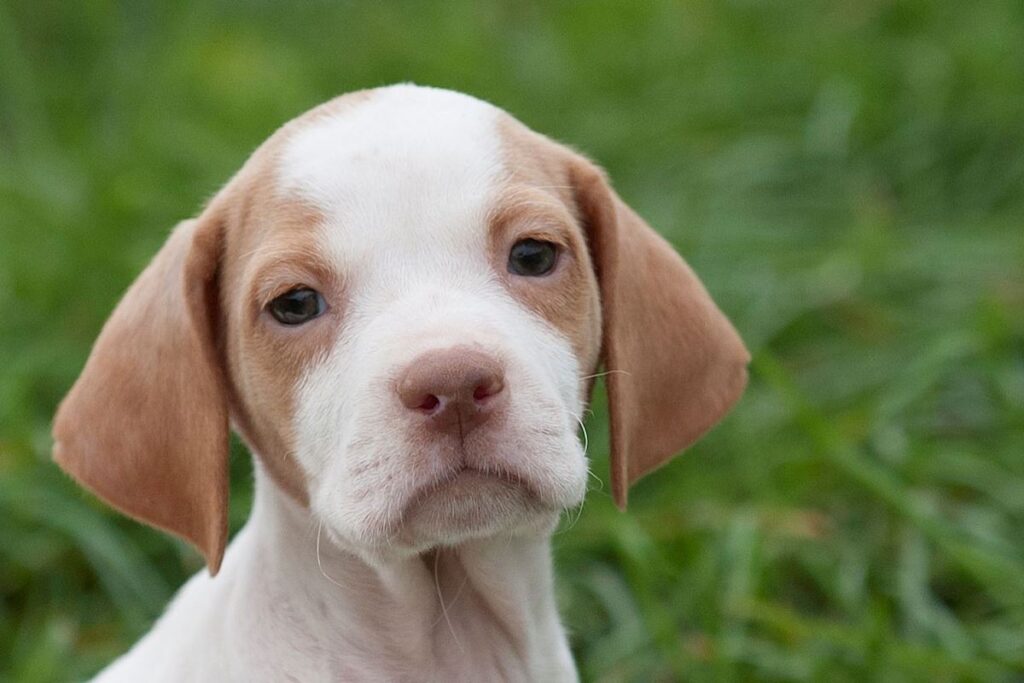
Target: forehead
<point x="402" y="170"/>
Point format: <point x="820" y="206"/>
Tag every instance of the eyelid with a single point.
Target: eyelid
<point x="267" y="295"/>
<point x="543" y="235"/>
<point x="275" y="271"/>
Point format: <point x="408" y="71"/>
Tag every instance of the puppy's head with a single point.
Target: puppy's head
<point x="400" y="303"/>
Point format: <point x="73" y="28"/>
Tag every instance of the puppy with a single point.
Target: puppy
<point x="399" y="303"/>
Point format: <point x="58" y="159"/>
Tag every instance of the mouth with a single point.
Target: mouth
<point x="468" y="503"/>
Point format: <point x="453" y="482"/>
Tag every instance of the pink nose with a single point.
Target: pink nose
<point x="455" y="389"/>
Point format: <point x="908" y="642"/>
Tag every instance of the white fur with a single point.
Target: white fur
<point x="342" y="591"/>
<point x="279" y="610"/>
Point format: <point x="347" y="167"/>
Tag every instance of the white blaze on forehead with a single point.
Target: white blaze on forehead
<point x="409" y="168"/>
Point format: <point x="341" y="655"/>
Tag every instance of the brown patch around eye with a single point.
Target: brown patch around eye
<point x="538" y="200"/>
<point x="274" y="252"/>
<point x="302" y="343"/>
<point x="264" y="366"/>
<point x="567" y="296"/>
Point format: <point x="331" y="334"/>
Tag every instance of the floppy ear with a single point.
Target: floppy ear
<point x="676" y="365"/>
<point x="145" y="427"/>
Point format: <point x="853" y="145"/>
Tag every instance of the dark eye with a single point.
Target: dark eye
<point x="297" y="306"/>
<point x="532" y="258"/>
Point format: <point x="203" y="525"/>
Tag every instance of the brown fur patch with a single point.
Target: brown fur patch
<point x="536" y="202"/>
<point x="270" y="249"/>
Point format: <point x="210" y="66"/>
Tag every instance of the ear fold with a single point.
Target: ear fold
<point x="676" y="365"/>
<point x="145" y="427"/>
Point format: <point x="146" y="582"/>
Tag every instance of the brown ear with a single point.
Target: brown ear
<point x="676" y="365"/>
<point x="145" y="427"/>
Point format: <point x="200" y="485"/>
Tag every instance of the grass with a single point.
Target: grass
<point x="848" y="179"/>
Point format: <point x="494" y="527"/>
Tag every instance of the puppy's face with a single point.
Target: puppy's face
<point x="399" y="302"/>
<point x="417" y="318"/>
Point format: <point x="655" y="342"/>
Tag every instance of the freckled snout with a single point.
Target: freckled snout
<point x="454" y="390"/>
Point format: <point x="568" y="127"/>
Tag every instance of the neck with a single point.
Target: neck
<point x="486" y="606"/>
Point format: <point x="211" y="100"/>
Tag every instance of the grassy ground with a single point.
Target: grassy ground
<point x="847" y="177"/>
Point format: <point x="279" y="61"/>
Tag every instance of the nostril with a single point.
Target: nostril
<point x="429" y="403"/>
<point x="485" y="390"/>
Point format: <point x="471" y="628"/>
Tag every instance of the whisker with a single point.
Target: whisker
<point x="444" y="608"/>
<point x="586" y="439"/>
<point x="319" y="564"/>
<point x="578" y="511"/>
<point x="579" y="514"/>
<point x="465" y="580"/>
<point x="606" y="373"/>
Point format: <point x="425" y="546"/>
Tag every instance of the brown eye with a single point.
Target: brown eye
<point x="297" y="306"/>
<point x="532" y="258"/>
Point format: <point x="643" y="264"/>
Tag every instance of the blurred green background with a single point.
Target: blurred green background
<point x="847" y="178"/>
